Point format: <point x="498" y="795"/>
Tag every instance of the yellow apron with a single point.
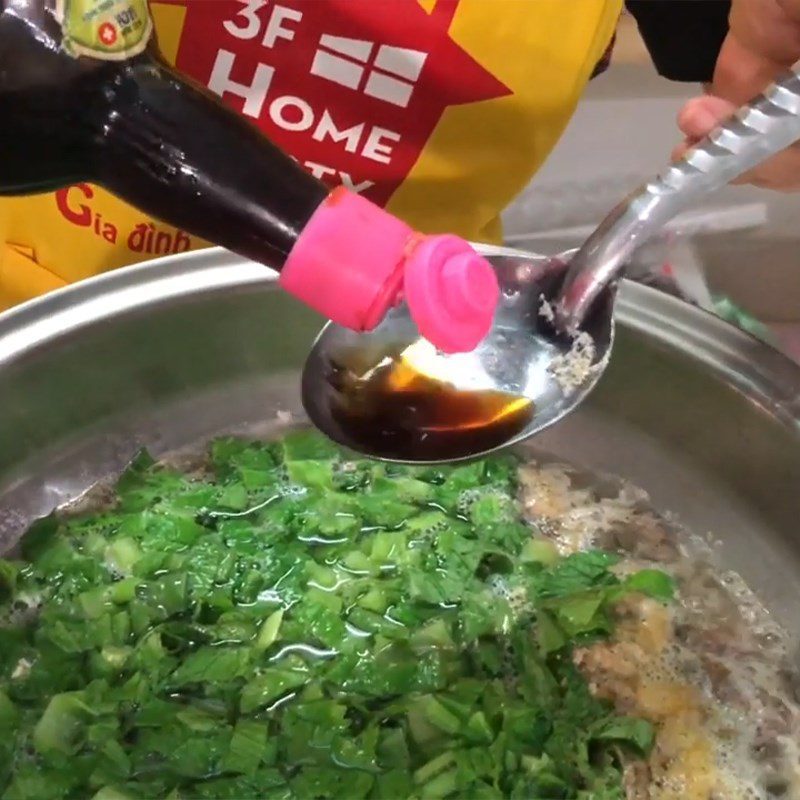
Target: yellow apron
<point x="441" y="110"/>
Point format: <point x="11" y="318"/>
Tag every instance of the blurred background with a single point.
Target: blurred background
<point x="746" y="241"/>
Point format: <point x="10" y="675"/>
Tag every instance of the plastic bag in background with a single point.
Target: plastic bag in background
<point x="670" y="264"/>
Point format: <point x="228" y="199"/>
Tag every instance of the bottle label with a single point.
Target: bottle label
<point x="110" y="30"/>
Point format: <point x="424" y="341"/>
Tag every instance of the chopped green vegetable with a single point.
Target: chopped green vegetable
<point x="62" y="726"/>
<point x="637" y="734"/>
<point x="578" y="572"/>
<point x="269" y="630"/>
<point x="302" y="625"/>
<point x="653" y="583"/>
<point x="539" y="551"/>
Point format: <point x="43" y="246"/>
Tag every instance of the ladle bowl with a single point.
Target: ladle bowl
<point x="522" y="359"/>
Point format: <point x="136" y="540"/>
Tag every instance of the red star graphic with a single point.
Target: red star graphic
<point x="450" y="76"/>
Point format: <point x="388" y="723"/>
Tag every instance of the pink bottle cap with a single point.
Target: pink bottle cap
<point x="451" y="292"/>
<point x="354" y="261"/>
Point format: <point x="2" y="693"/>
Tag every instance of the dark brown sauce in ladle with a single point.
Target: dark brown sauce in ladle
<point x="396" y="411"/>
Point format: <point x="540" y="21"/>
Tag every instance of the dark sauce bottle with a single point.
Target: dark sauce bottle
<point x="86" y="96"/>
<point x="127" y="121"/>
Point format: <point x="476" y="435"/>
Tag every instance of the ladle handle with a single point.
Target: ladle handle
<point x="762" y="128"/>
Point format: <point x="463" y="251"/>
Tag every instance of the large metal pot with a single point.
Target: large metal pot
<point x="696" y="412"/>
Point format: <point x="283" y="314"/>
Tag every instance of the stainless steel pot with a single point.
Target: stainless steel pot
<point x="164" y="355"/>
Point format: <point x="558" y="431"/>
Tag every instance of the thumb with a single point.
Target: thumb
<point x="702" y="114"/>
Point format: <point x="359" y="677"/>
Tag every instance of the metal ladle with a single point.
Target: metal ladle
<point x="553" y="330"/>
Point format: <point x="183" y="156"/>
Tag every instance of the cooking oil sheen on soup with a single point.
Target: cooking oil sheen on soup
<point x="714" y="672"/>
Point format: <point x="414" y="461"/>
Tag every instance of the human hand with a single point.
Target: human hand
<point x="763" y="41"/>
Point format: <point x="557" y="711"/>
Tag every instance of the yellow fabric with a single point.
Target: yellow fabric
<point x="478" y="157"/>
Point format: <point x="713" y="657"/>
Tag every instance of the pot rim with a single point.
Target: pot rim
<point x="766" y="376"/>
